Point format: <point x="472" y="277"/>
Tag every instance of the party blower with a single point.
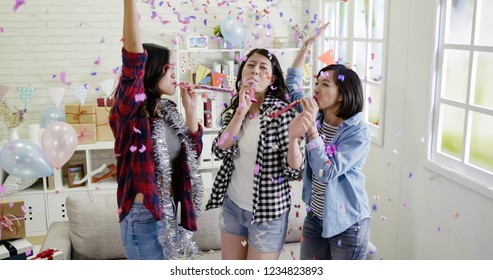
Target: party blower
<point x="206" y="87"/>
<point x="288" y="107"/>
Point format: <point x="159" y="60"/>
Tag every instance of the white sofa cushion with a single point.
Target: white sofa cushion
<point x="94" y="227"/>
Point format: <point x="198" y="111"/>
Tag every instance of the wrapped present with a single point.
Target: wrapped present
<point x="103" y="129"/>
<point x="86" y="133"/>
<point x="48" y="254"/>
<point x="105" y="101"/>
<point x="17" y="249"/>
<point x="12" y="223"/>
<point x="77" y="113"/>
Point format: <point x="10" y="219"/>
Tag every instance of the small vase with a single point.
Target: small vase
<point x="14" y="134"/>
<point x="223" y="44"/>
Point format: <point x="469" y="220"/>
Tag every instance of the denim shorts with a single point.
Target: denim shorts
<point x="264" y="237"/>
<point x="139" y="234"/>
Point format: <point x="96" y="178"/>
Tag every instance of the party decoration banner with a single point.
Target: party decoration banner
<point x="217" y="79"/>
<point x="327" y="57"/>
<point x="200" y="72"/>
<point x="3" y="91"/>
<point x="107" y="86"/>
<point x="26" y="93"/>
<point x="57" y="95"/>
<point x="81" y="93"/>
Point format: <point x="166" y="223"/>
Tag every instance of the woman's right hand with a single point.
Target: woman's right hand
<point x="245" y="96"/>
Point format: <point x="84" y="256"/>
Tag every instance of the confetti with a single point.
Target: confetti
<point x="244" y="243"/>
<point x="133" y="148"/>
<point x="374" y="207"/>
<point x="136" y="130"/>
<point x="341" y="77"/>
<point x="139" y="97"/>
<point x="97" y="61"/>
<point x="2" y="30"/>
<point x="2" y="189"/>
<point x="383" y="218"/>
<point x="455" y="215"/>
<point x="142" y="149"/>
<point x="256" y="169"/>
<point x="410" y="175"/>
<point x="439" y="229"/>
<point x="17" y="4"/>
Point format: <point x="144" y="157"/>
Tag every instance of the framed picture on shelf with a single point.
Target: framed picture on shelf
<point x="197" y="42"/>
<point x="75" y="172"/>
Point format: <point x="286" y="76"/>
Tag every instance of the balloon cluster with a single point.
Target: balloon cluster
<point x="25" y="159"/>
<point x="259" y="35"/>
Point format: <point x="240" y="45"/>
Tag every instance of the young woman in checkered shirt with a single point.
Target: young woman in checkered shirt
<point x="252" y="183"/>
<point x="337" y="225"/>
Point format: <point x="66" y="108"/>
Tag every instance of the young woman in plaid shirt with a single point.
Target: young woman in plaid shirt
<point x="252" y="183"/>
<point x="156" y="150"/>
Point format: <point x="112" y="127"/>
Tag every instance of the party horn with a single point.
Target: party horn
<point x="291" y="105"/>
<point x="206" y="87"/>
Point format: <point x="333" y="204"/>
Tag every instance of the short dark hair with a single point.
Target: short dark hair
<point x="278" y="88"/>
<point x="350" y="89"/>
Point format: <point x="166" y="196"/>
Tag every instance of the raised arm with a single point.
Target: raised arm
<point x="131" y="30"/>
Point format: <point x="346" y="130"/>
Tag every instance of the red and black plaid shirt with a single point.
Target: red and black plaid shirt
<point x="133" y="143"/>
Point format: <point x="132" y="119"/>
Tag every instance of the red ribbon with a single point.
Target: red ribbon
<point x="46" y="254"/>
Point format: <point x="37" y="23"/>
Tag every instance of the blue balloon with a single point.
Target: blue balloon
<point x="233" y="31"/>
<point x="50" y="116"/>
<point x="24" y="159"/>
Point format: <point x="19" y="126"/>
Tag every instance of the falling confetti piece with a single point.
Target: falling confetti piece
<point x="97" y="61"/>
<point x="410" y="175"/>
<point x="2" y="189"/>
<point x="17" y="4"/>
<point x="339" y="243"/>
<point x="256" y="169"/>
<point x="244" y="243"/>
<point x="374" y="207"/>
<point x="133" y="148"/>
<point x="142" y="149"/>
<point x="11" y="204"/>
<point x="439" y="229"/>
<point x="341" y="77"/>
<point x="455" y="214"/>
<point x="383" y="218"/>
<point x="1" y="30"/>
<point x="140" y="97"/>
<point x="404" y="205"/>
<point x="136" y="130"/>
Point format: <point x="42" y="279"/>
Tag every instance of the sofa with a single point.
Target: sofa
<point x="92" y="231"/>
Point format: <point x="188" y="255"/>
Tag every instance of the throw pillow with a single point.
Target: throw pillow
<point x="14" y="184"/>
<point x="94" y="227"/>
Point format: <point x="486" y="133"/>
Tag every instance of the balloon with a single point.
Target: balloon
<point x="24" y="159"/>
<point x="260" y="35"/>
<point x="233" y="31"/>
<point x="59" y="141"/>
<point x="51" y="115"/>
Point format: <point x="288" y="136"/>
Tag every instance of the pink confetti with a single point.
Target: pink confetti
<point x="369" y="100"/>
<point x="455" y="215"/>
<point x="136" y="130"/>
<point x="11" y="204"/>
<point x="18" y="3"/>
<point x="115" y="70"/>
<point x="2" y="189"/>
<point x="133" y="148"/>
<point x="383" y="218"/>
<point x="102" y="40"/>
<point x="140" y="97"/>
<point x="1" y="30"/>
<point x="330" y="150"/>
<point x="63" y="78"/>
<point x="439" y="229"/>
<point x="29" y="251"/>
<point x="142" y="149"/>
<point x="97" y="61"/>
<point x="256" y="169"/>
<point x="404" y="205"/>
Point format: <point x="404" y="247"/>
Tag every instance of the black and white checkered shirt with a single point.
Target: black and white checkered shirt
<point x="271" y="191"/>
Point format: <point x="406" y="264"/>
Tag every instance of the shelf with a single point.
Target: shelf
<point x="208" y="50"/>
<point x="105" y="145"/>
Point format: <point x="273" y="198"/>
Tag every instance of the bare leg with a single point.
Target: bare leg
<point x="233" y="247"/>
<point x="256" y="255"/>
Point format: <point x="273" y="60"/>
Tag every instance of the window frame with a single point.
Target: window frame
<point x="377" y="132"/>
<point x="473" y="177"/>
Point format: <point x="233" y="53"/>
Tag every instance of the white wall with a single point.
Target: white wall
<point x="419" y="210"/>
<point x="44" y="38"/>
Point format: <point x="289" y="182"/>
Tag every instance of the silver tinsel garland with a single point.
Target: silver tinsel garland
<point x="176" y="241"/>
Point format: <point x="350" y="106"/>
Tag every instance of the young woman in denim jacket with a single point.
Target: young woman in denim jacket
<point x="337" y="225"/>
<point x="252" y="182"/>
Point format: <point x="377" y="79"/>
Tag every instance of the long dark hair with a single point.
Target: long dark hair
<point x="350" y="88"/>
<point x="278" y="88"/>
<point x="158" y="58"/>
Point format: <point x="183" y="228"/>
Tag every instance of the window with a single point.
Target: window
<point x="357" y="36"/>
<point x="463" y="103"/>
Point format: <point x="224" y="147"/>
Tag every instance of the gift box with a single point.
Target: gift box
<point x="105" y="101"/>
<point x="12" y="223"/>
<point x="17" y="249"/>
<point x="86" y="133"/>
<point x="47" y="254"/>
<point x="77" y="113"/>
<point x="103" y="129"/>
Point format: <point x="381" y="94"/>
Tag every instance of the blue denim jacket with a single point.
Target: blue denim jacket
<point x="346" y="201"/>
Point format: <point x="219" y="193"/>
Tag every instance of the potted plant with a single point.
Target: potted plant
<point x="217" y="32"/>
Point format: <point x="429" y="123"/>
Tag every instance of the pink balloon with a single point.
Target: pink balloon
<point x="59" y="141"/>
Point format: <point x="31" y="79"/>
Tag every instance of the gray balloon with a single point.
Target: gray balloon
<point x="50" y="116"/>
<point x="24" y="159"/>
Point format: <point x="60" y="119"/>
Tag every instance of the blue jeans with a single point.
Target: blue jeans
<point x="139" y="232"/>
<point x="351" y="244"/>
<point x="264" y="237"/>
